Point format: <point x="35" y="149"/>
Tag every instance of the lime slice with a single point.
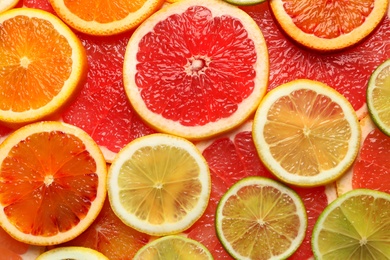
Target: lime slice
<point x="245" y="2"/>
<point x="354" y="226"/>
<point x="378" y="97"/>
<point x="72" y="252"/>
<point x="159" y="184"/>
<point x="174" y="247"/>
<point x="259" y="218"/>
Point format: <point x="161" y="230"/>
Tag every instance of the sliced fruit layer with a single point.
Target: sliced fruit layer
<point x="174" y="247"/>
<point x="259" y="218"/>
<point x="355" y="226"/>
<point x="159" y="184"/>
<point x="104" y="17"/>
<point x="72" y="253"/>
<point x="43" y="64"/>
<point x="7" y="4"/>
<point x="328" y="25"/>
<point x="196" y="68"/>
<point x="306" y="133"/>
<point x="52" y="183"/>
<point x="378" y="97"/>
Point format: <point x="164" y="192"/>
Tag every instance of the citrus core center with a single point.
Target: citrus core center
<point x="24" y="62"/>
<point x="48" y="180"/>
<point x="197" y="65"/>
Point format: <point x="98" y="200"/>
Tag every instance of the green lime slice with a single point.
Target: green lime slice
<point x="354" y="226"/>
<point x="245" y="2"/>
<point x="174" y="247"/>
<point x="378" y="97"/>
<point x="259" y="218"/>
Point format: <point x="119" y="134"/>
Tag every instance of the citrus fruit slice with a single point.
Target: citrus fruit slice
<point x="159" y="184"/>
<point x="196" y="68"/>
<point x="52" y="183"/>
<point x="378" y="97"/>
<point x="104" y="17"/>
<point x="306" y="133"/>
<point x="110" y="236"/>
<point x="328" y="26"/>
<point x="76" y="253"/>
<point x="7" y="4"/>
<point x="174" y="247"/>
<point x="43" y="64"/>
<point x="259" y="218"/>
<point x="354" y="226"/>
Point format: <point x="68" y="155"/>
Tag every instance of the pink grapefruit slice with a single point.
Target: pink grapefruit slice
<point x="196" y="68"/>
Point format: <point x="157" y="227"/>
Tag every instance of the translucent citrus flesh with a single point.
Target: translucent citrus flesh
<point x="25" y="63"/>
<point x="356" y="229"/>
<point x="174" y="247"/>
<point x="372" y="167"/>
<point x="114" y="10"/>
<point x="381" y="96"/>
<point x="307" y="132"/>
<point x="328" y="19"/>
<point x="43" y="194"/>
<point x="199" y="81"/>
<point x="108" y="232"/>
<point x="160" y="184"/>
<point x="260" y="222"/>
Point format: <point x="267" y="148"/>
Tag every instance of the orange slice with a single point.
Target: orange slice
<point x="42" y="65"/>
<point x="104" y="17"/>
<point x="52" y="183"/>
<point x="7" y="4"/>
<point x="328" y="25"/>
<point x="196" y="68"/>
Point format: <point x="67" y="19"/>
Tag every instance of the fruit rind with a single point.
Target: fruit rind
<point x="259" y="122"/>
<point x="370" y="102"/>
<point x="262" y="182"/>
<point x="101" y="170"/>
<point x="336" y="203"/>
<point x="198" y="132"/>
<point x="72" y="252"/>
<point x="144" y="226"/>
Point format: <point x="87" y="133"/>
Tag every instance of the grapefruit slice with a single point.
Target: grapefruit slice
<point x="159" y="184"/>
<point x="354" y="226"/>
<point x="52" y="183"/>
<point x="306" y="133"/>
<point x="104" y="17"/>
<point x="40" y="71"/>
<point x="196" y="68"/>
<point x="328" y="25"/>
<point x="110" y="236"/>
<point x="259" y="218"/>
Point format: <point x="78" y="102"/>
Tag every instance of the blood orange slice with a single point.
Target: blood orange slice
<point x="328" y="25"/>
<point x="52" y="183"/>
<point x="196" y="68"/>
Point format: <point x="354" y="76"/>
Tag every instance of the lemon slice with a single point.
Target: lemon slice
<point x="259" y="218"/>
<point x="159" y="184"/>
<point x="354" y="226"/>
<point x="378" y="97"/>
<point x="174" y="247"/>
<point x="72" y="252"/>
<point x="306" y="133"/>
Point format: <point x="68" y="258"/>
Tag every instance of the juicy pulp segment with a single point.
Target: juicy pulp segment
<point x="25" y="65"/>
<point x="322" y="18"/>
<point x="56" y="190"/>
